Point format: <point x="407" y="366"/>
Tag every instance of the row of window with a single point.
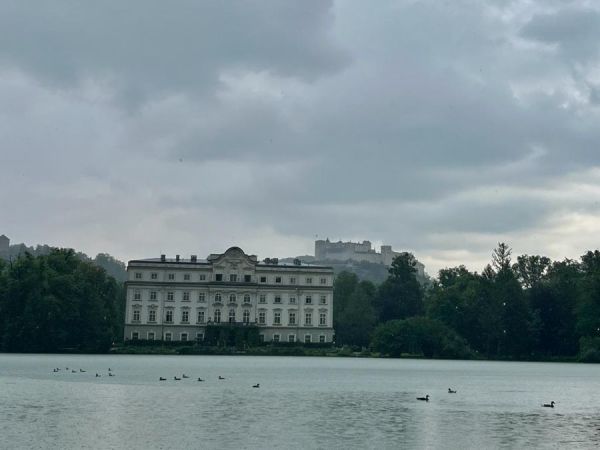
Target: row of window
<point x="233" y="278"/>
<point x="261" y="320"/>
<point x="137" y="295"/>
<point x="184" y="337"/>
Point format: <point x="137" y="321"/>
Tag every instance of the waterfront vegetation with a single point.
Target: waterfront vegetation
<point x="528" y="309"/>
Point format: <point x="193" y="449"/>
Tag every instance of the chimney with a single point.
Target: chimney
<point x="194" y="258"/>
<point x="163" y="258"/>
<point x="176" y="258"/>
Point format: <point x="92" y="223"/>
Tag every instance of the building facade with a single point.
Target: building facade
<point x="325" y="250"/>
<point x="177" y="299"/>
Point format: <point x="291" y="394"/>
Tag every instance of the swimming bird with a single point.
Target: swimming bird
<point x="162" y="379"/>
<point x="176" y="378"/>
<point x="73" y="371"/>
<point x="200" y="379"/>
<point x="425" y="399"/>
<point x="450" y="391"/>
<point x="184" y="376"/>
<point x="549" y="405"/>
<point x="257" y="385"/>
<point x="81" y="370"/>
<point x="221" y="378"/>
<point x="109" y="369"/>
<point x="97" y="375"/>
<point x="110" y="374"/>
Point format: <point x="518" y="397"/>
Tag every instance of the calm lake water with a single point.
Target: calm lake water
<point x="301" y="403"/>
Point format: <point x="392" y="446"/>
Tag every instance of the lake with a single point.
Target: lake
<point x="301" y="403"/>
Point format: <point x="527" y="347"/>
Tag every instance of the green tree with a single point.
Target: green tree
<point x="356" y="322"/>
<point x="401" y="295"/>
<point x="419" y="336"/>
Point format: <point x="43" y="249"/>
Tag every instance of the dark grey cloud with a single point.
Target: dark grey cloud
<point x="150" y="45"/>
<point x="576" y="30"/>
<point x="440" y="128"/>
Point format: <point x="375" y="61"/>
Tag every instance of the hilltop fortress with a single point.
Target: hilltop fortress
<point x="325" y="250"/>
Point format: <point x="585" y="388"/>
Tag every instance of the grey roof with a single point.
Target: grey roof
<point x="206" y="262"/>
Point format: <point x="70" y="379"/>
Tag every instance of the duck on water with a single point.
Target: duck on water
<point x="425" y="399"/>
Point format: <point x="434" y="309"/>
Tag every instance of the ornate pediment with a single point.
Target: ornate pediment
<point x="233" y="259"/>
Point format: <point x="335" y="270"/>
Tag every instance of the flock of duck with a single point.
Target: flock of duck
<point x="57" y="369"/>
<point x="176" y="378"/>
<point x="111" y="374"/>
<point x="453" y="391"/>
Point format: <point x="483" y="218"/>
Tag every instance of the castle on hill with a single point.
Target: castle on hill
<point x="325" y="250"/>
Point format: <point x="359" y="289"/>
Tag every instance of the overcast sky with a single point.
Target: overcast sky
<point x="145" y="127"/>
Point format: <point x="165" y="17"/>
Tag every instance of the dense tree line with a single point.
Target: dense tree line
<point x="58" y="302"/>
<point x="531" y="308"/>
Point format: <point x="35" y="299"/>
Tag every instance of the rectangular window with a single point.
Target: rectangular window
<point x="233" y="278"/>
<point x="171" y="276"/>
<point x="278" y="280"/>
<point x="309" y="280"/>
<point x="152" y="295"/>
<point x="151" y="335"/>
<point x="292" y="318"/>
<point x="323" y="300"/>
<point x="262" y="317"/>
<point x="219" y="277"/>
<point x="168" y="336"/>
<point x="262" y="298"/>
<point x="200" y="317"/>
<point x="136" y="315"/>
<point x="199" y="337"/>
<point x="185" y="316"/>
<point x="322" y="319"/>
<point x="308" y="319"/>
<point x="291" y="338"/>
<point x="322" y="339"/>
<point x="277" y="299"/>
<point x="263" y="279"/>
<point x="169" y="316"/>
<point x="186" y="277"/>
<point x="152" y="315"/>
<point x="292" y="300"/>
<point x="307" y="338"/>
<point x="186" y="296"/>
<point x="170" y="296"/>
<point x="261" y="338"/>
<point x="277" y="318"/>
<point x="135" y="335"/>
<point x="308" y="300"/>
<point x="292" y="281"/>
<point x="154" y="275"/>
<point x="202" y="277"/>
<point x="247" y="278"/>
<point x="184" y="337"/>
<point x="323" y="280"/>
<point x="137" y="295"/>
<point x="138" y="275"/>
<point x="276" y="338"/>
<point x="201" y="297"/>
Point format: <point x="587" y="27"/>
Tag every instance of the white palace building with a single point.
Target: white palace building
<point x="176" y="299"/>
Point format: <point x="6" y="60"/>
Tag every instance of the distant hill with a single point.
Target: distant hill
<point x="113" y="266"/>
